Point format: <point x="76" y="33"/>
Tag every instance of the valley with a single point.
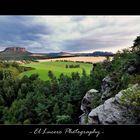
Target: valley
<point x="69" y="70"/>
<point x="57" y="68"/>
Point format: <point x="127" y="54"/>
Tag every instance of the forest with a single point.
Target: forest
<point x="30" y="100"/>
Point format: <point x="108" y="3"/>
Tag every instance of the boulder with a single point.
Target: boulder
<point x="86" y="105"/>
<point x="86" y="101"/>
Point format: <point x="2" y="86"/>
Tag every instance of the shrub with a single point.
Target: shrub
<point x="63" y="119"/>
<point x="134" y="79"/>
<point x="131" y="99"/>
<point x="27" y="121"/>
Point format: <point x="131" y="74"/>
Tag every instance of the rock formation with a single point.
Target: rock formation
<point x="15" y="49"/>
<point x="109" y="83"/>
<point x="110" y="112"/>
<point x="86" y="104"/>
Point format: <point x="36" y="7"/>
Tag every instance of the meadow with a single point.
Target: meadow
<point x="57" y="67"/>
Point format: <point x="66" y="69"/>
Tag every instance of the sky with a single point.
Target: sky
<point x="45" y="34"/>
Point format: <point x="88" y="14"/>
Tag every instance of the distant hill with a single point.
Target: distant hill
<point x="19" y="53"/>
<point x="14" y="53"/>
<point x="61" y="54"/>
<point x="100" y="53"/>
<point x="65" y="54"/>
<point x="96" y="53"/>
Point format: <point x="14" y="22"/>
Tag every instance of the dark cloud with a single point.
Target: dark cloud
<point x="80" y="45"/>
<point x="15" y="30"/>
<point x="69" y="33"/>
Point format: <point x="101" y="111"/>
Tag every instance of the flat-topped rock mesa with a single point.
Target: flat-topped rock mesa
<point x="15" y="49"/>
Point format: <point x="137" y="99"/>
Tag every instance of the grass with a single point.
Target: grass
<point x="57" y="68"/>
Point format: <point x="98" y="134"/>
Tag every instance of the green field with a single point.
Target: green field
<point x="57" y="68"/>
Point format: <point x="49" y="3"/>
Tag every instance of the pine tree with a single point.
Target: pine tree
<point x="136" y="44"/>
<point x="50" y="74"/>
<point x="43" y="114"/>
<point x="56" y="111"/>
<point x="69" y="111"/>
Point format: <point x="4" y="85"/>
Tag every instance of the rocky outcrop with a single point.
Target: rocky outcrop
<point x="83" y="119"/>
<point x="109" y="84"/>
<point x="86" y="101"/>
<point x="86" y="105"/>
<point x="15" y="49"/>
<point x="111" y="112"/>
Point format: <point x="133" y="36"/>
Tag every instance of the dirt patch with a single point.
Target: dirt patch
<point x="81" y="59"/>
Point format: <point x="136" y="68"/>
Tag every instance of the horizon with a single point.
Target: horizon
<point x="56" y="52"/>
<point x="73" y="34"/>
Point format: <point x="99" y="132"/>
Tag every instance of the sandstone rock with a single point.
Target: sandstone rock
<point x="15" y="49"/>
<point x="108" y="83"/>
<point x="83" y="119"/>
<point x="118" y="97"/>
<point x="85" y="104"/>
<point x="111" y="112"/>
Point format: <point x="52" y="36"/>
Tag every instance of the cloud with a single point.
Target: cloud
<point x="68" y="33"/>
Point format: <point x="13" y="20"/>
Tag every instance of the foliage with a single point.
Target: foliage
<point x="97" y="75"/>
<point x="73" y="66"/>
<point x="37" y="99"/>
<point x="136" y="45"/>
<point x="32" y="100"/>
<point x="63" y="119"/>
<point x="131" y="99"/>
<point x="56" y="67"/>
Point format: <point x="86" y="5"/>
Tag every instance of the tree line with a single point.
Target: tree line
<point x="73" y="66"/>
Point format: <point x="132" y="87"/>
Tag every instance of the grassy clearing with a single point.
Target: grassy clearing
<point x="57" y="68"/>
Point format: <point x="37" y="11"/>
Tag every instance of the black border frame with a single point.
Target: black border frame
<point x="82" y="8"/>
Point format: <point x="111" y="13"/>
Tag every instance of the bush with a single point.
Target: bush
<point x="72" y="66"/>
<point x="63" y="119"/>
<point x="34" y="77"/>
<point x="131" y="99"/>
<point x="27" y="121"/>
<point x="134" y="79"/>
